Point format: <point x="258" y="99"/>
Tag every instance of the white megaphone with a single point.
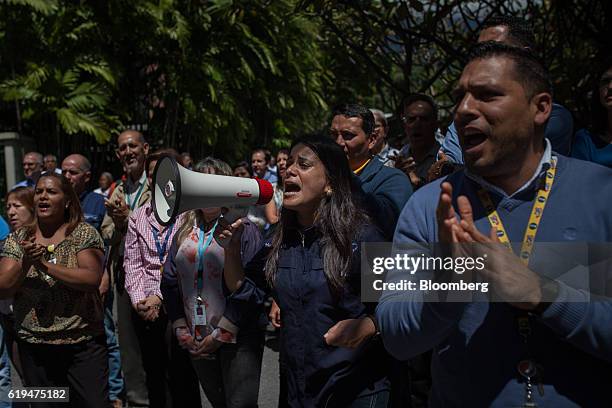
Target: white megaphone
<point x="178" y="189"/>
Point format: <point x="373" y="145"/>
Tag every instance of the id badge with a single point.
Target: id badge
<point x="199" y="314"/>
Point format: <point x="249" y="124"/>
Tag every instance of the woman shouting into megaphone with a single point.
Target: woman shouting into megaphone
<point x="329" y="346"/>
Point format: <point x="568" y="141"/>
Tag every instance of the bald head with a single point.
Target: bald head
<point x="77" y="169"/>
<point x="81" y="161"/>
<point x="132" y="151"/>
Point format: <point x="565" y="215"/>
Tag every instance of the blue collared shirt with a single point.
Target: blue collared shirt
<point x="271" y="177"/>
<point x="28" y="182"/>
<point x="543" y="166"/>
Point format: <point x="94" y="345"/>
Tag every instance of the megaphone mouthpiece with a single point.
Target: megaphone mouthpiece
<point x="266" y="191"/>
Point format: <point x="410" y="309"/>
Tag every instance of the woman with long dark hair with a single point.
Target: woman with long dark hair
<point x="329" y="346"/>
<point x="53" y="267"/>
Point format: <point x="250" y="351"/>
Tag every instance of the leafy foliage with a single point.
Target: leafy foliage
<point x="409" y="46"/>
<point x="223" y="76"/>
<point x="217" y="77"/>
<point x="54" y="71"/>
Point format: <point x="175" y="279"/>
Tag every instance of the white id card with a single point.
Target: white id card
<point x="199" y="314"/>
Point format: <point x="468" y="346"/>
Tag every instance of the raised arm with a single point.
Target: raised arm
<point x="229" y="237"/>
<point x="272" y="212"/>
<point x="243" y="272"/>
<point x="409" y="324"/>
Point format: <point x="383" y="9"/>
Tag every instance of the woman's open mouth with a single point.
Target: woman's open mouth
<point x="291" y="189"/>
<point x="44" y="207"/>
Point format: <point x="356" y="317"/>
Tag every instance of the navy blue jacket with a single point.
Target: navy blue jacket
<point x="386" y="191"/>
<point x="92" y="205"/>
<point x="317" y="374"/>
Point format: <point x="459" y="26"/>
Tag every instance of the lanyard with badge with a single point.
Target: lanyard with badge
<point x="526" y="368"/>
<point x="199" y="309"/>
<point x="161" y="248"/>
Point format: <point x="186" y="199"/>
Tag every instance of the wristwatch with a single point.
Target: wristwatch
<point x="376" y="330"/>
<point x="550" y="292"/>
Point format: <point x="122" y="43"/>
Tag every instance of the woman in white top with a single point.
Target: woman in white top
<point x="226" y="354"/>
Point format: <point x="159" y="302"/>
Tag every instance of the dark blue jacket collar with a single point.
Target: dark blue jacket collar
<point x="371" y="169"/>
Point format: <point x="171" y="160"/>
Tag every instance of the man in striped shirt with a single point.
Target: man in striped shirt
<point x="146" y="247"/>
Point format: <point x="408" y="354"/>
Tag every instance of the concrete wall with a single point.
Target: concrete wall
<point x="12" y="147"/>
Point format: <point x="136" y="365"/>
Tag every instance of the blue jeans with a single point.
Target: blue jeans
<point x="115" y="378"/>
<point x="5" y="373"/>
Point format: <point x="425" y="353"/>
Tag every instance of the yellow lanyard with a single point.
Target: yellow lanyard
<point x="361" y="167"/>
<point x="534" y="218"/>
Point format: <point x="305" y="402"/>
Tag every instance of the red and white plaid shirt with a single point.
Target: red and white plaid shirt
<point x="141" y="262"/>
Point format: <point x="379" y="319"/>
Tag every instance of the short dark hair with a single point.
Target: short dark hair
<point x="246" y="165"/>
<point x="520" y="32"/>
<point x="416" y="97"/>
<point x="265" y="152"/>
<point x="355" y="110"/>
<point x="529" y="70"/>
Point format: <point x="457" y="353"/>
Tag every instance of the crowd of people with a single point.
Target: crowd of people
<point x="99" y="297"/>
